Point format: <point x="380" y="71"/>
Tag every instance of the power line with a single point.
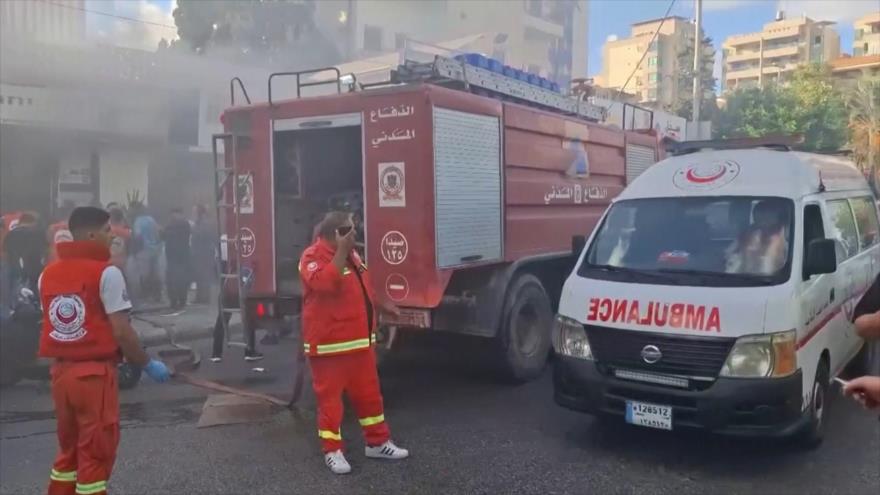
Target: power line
<point x="648" y="49"/>
<point x="107" y="14"/>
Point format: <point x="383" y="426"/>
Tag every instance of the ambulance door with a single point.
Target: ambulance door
<point x="818" y="297"/>
<point x="851" y="271"/>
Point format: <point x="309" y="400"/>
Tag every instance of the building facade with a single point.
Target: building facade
<point x="56" y="21"/>
<point x="548" y="37"/>
<point x="867" y="35"/>
<point x="656" y="79"/>
<point x="771" y="55"/>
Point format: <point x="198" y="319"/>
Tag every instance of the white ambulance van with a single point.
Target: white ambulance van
<point x="717" y="292"/>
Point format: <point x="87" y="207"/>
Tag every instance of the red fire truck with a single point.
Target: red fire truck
<point x="473" y="187"/>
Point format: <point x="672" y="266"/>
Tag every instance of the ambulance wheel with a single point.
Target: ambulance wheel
<point x="814" y="431"/>
<point x="128" y="376"/>
<point x="524" y="336"/>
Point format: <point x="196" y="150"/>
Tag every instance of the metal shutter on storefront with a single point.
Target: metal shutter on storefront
<point x="467" y="187"/>
<point x="638" y="159"/>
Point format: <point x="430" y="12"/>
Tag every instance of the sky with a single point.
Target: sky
<point x="608" y="18"/>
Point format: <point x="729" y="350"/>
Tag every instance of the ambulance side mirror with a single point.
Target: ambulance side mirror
<point x="821" y="257"/>
<point x="577" y="245"/>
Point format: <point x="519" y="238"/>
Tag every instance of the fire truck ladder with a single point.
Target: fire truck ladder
<point x="444" y="70"/>
<point x="226" y="176"/>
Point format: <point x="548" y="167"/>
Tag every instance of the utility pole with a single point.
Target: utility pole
<point x="698" y="62"/>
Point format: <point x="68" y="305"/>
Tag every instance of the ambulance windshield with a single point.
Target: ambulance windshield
<point x="704" y="241"/>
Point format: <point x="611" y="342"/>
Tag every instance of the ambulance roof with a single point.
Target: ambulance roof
<point x="746" y="172"/>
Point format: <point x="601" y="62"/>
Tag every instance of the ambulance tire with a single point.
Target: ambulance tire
<point x="524" y="337"/>
<point x="814" y="431"/>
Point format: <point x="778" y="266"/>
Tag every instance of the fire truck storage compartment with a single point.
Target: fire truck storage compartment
<point x="467" y="186"/>
<point x="318" y="166"/>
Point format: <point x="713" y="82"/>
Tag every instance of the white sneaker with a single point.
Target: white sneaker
<point x="387" y="451"/>
<point x="337" y="463"/>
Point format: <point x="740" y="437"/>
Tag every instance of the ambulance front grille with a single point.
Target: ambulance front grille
<point x="681" y="355"/>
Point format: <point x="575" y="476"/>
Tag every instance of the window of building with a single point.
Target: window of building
<point x="859" y="33"/>
<point x="653" y="46"/>
<point x="652" y="94"/>
<point x="653" y="77"/>
<point x="866" y="220"/>
<point x="652" y="61"/>
<point x="817" y="40"/>
<point x="373" y="38"/>
<point x="843" y="229"/>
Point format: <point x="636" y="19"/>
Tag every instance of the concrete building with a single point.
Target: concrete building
<point x="58" y="21"/>
<point x="548" y="37"/>
<point x="867" y="36"/>
<point x="852" y="68"/>
<point x="656" y="80"/>
<point x="754" y="59"/>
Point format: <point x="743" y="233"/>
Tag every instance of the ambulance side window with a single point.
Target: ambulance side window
<point x="813" y="229"/>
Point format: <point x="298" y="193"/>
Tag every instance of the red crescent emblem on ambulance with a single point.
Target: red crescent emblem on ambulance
<point x="693" y="177"/>
<point x="706" y="175"/>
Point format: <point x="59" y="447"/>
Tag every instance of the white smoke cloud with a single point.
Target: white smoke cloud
<point x="611" y="37"/>
<point x="147" y="22"/>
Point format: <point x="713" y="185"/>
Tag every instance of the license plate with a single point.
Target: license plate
<point x="650" y="415"/>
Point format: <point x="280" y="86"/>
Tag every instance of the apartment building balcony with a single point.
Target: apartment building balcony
<point x="742" y="73"/>
<point x="740" y="40"/>
<point x="791" y="50"/>
<point x="542" y="25"/>
<point x="744" y="56"/>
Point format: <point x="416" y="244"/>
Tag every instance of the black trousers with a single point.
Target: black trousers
<point x="177" y="280"/>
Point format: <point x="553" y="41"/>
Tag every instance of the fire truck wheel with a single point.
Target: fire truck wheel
<point x="524" y="337"/>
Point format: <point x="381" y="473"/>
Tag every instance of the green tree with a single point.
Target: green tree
<point x="277" y="32"/>
<point x="863" y="100"/>
<point x="809" y="104"/>
<point x="683" y="103"/>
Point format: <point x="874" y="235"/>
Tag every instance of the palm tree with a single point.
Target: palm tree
<point x="864" y="122"/>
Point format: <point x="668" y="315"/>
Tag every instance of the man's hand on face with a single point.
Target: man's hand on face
<point x="345" y="243"/>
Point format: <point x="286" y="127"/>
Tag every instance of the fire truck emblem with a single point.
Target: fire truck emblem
<point x="394" y="248"/>
<point x="392" y="185"/>
<point x="705" y="176"/>
<point x="248" y="242"/>
<point x="67" y="315"/>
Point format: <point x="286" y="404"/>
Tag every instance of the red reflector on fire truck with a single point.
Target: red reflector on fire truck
<point x="409" y="317"/>
<point x="261" y="310"/>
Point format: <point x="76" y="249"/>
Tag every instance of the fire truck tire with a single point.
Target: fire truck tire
<point x="524" y="336"/>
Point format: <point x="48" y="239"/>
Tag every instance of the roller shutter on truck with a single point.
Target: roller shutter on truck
<point x="467" y="187"/>
<point x="638" y="159"/>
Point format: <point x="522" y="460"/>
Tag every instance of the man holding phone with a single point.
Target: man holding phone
<point x="339" y="318"/>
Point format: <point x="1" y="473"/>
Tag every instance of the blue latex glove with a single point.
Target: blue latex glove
<point x="157" y="371"/>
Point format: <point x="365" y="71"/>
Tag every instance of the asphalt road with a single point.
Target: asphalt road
<point x="467" y="432"/>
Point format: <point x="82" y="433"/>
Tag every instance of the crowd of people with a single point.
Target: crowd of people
<point x="160" y="262"/>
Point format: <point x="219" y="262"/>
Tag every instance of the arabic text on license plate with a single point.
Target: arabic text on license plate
<point x="650" y="415"/>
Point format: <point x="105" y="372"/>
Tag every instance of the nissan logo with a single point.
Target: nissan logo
<point x="651" y="354"/>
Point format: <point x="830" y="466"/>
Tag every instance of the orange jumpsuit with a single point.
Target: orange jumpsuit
<point x="338" y="322"/>
<point x="77" y="333"/>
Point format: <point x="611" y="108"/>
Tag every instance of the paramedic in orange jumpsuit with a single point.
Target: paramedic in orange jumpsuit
<point x="85" y="327"/>
<point x="339" y="318"/>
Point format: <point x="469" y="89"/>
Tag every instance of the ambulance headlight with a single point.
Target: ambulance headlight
<point x="757" y="356"/>
<point x="570" y="339"/>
